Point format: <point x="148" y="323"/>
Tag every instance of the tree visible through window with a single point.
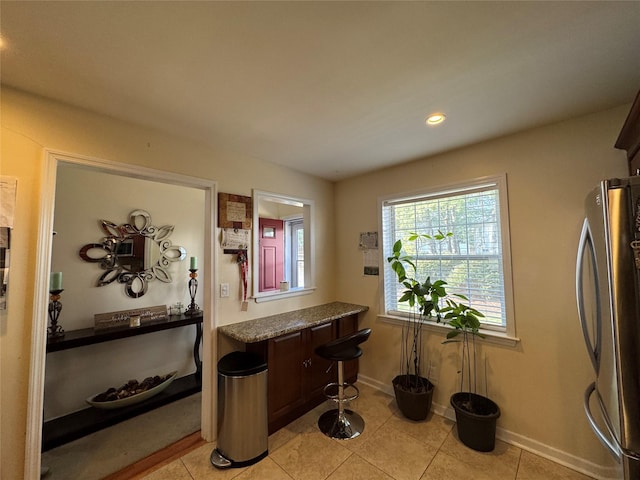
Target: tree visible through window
<point x="474" y="261"/>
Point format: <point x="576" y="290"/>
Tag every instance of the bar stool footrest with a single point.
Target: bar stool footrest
<point x="336" y="397"/>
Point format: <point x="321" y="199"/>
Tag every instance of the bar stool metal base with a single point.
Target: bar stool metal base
<point x="345" y="426"/>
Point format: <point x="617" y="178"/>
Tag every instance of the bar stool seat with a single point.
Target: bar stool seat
<point x="340" y="422"/>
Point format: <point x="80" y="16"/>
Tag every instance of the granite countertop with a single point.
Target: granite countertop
<point x="273" y="326"/>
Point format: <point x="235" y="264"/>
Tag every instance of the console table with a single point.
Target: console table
<point x="67" y="428"/>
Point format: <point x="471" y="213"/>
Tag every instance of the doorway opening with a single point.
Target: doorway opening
<point x="53" y="161"/>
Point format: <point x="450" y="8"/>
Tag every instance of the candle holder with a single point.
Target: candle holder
<point x="193" y="309"/>
<point x="55" y="330"/>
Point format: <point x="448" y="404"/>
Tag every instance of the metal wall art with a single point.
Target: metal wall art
<point x="134" y="253"/>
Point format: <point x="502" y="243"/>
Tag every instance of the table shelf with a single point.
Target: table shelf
<point x="65" y="429"/>
<point x="91" y="336"/>
<point x="73" y="426"/>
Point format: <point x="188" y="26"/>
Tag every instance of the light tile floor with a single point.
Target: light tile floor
<point x="390" y="448"/>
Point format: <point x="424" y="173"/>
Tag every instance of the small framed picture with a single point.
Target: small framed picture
<point x="234" y="211"/>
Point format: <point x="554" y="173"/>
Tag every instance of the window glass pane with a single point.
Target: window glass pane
<point x="296" y="264"/>
<point x="470" y="261"/>
<point x="300" y="255"/>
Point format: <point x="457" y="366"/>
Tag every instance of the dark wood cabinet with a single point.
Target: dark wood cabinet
<point x="286" y="363"/>
<point x="629" y="138"/>
<point x="346" y="326"/>
<point x="297" y="376"/>
<point x="319" y="370"/>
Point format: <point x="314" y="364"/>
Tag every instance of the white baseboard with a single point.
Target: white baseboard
<point x="383" y="387"/>
<point x="555" y="455"/>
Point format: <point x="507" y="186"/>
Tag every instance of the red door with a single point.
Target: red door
<point x="271" y="262"/>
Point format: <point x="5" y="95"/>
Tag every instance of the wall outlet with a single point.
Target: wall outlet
<point x="224" y="290"/>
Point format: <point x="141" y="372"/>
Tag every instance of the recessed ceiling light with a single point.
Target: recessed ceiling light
<point x="435" y="118"/>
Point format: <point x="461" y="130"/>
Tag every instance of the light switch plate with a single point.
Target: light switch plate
<point x="224" y="290"/>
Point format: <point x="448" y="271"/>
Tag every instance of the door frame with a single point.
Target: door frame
<point x="51" y="160"/>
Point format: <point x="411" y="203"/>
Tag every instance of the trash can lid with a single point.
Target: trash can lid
<point x="241" y="364"/>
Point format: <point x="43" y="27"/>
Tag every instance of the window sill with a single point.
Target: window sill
<point x="491" y="336"/>
<point x="278" y="295"/>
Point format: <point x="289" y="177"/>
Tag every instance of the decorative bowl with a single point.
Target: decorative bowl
<point x="133" y="399"/>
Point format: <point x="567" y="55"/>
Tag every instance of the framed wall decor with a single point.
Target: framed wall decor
<point x="5" y="248"/>
<point x="235" y="239"/>
<point x="234" y="211"/>
<point x="8" y="189"/>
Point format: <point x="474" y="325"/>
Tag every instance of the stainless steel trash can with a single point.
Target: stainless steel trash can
<point x="242" y="411"/>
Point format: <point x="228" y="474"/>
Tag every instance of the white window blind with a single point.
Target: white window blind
<point x="471" y="261"/>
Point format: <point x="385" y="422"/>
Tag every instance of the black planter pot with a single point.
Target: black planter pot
<point x="414" y="404"/>
<point x="476" y="417"/>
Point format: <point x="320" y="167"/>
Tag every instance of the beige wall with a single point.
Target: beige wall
<point x="30" y="124"/>
<point x="538" y="384"/>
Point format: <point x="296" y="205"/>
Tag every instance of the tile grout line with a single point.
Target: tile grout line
<point x="351" y="453"/>
<point x="374" y="466"/>
<point x="518" y="465"/>
<point x="186" y="468"/>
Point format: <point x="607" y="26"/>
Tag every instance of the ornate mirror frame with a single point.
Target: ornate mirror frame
<point x="134" y="253"/>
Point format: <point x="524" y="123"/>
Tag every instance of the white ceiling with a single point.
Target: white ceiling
<point x="333" y="89"/>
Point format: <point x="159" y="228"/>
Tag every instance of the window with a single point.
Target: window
<point x="475" y="261"/>
<point x="298" y="251"/>
<point x="294" y="247"/>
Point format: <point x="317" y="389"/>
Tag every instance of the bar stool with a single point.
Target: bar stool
<point x="340" y="422"/>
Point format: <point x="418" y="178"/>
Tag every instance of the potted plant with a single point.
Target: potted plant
<point x="476" y="415"/>
<point x="413" y="390"/>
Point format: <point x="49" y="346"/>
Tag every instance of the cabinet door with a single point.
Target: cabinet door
<point x="287" y="355"/>
<point x="317" y="374"/>
<point x="634" y="163"/>
<point x="346" y="326"/>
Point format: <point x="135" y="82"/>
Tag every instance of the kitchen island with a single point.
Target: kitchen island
<point x="297" y="376"/>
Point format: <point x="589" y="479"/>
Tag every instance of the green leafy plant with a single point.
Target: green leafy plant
<point x="423" y="296"/>
<point x="465" y="321"/>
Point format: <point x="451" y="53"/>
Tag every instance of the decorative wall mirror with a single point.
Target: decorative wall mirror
<point x="283" y="255"/>
<point x="134" y="253"/>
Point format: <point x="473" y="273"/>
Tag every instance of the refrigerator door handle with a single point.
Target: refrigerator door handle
<point x="611" y="445"/>
<point x="586" y="244"/>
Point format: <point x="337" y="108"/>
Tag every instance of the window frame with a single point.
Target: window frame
<point x="308" y="214"/>
<point x="497" y="334"/>
<point x="292" y="226"/>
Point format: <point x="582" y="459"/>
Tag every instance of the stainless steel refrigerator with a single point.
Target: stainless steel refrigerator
<point x="608" y="294"/>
